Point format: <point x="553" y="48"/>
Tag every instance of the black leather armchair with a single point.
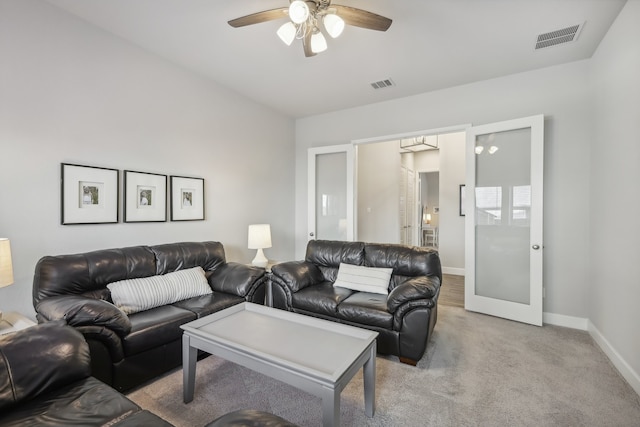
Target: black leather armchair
<point x="404" y="318"/>
<point x="127" y="350"/>
<point x="45" y="380"/>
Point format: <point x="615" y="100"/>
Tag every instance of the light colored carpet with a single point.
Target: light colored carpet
<point x="478" y="371"/>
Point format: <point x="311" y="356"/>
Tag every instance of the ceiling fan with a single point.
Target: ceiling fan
<point x="308" y="18"/>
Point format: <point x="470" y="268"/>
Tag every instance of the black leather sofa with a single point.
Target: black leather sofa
<point x="45" y="381"/>
<point x="404" y="318"/>
<point x="127" y="350"/>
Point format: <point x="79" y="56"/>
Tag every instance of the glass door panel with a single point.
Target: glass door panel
<point x="503" y="172"/>
<point x="331" y="196"/>
<point x="331" y="193"/>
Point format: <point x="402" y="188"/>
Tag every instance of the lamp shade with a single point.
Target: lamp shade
<point x="318" y="42"/>
<point x="298" y="11"/>
<point x="6" y="267"/>
<point x="287" y="32"/>
<point x="259" y="236"/>
<point x="333" y="24"/>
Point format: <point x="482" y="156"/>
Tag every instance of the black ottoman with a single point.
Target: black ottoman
<point x="250" y="418"/>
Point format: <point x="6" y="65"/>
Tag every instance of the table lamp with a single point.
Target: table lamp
<point x="259" y="238"/>
<point x="6" y="268"/>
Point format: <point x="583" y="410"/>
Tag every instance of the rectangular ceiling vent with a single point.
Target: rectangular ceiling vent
<point x="382" y="84"/>
<point x="554" y="38"/>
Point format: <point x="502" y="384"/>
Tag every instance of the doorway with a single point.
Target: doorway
<point x="381" y="212"/>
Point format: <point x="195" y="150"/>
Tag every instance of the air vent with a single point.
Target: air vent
<point x="554" y="38"/>
<point x="382" y="84"/>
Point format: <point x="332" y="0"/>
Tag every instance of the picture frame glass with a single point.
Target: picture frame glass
<point x="187" y="199"/>
<point x="145" y="197"/>
<point x="89" y="194"/>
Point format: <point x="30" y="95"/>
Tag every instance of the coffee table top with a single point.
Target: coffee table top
<point x="312" y="346"/>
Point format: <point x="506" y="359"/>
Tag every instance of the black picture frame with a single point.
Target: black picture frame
<point x="461" y="198"/>
<point x="187" y="198"/>
<point x="145" y="197"/>
<point x="89" y="194"/>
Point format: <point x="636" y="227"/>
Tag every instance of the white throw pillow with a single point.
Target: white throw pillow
<point x="133" y="295"/>
<point x="364" y="279"/>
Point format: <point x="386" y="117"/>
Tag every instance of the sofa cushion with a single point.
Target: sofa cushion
<point x="325" y="253"/>
<point x="321" y="299"/>
<point x="207" y="304"/>
<point x="181" y="256"/>
<point x="366" y="309"/>
<point x="155" y="327"/>
<point x="134" y="295"/>
<point x="364" y="279"/>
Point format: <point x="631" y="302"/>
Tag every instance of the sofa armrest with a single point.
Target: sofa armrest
<point x="297" y="275"/>
<point x="422" y="287"/>
<point x="40" y="359"/>
<point x="82" y="311"/>
<point x="235" y="278"/>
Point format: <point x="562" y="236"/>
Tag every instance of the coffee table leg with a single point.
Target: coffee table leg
<point x="369" y="376"/>
<point x="188" y="369"/>
<point x="330" y="407"/>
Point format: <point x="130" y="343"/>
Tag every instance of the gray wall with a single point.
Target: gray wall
<point x="72" y="93"/>
<point x="614" y="270"/>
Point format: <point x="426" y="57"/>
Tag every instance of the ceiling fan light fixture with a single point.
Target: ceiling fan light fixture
<point x="318" y="42"/>
<point x="287" y="33"/>
<point x="333" y="24"/>
<point x="299" y="11"/>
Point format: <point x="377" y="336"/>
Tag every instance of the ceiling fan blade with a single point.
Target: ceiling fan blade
<point x="362" y="18"/>
<point x="306" y="44"/>
<point x="256" y="18"/>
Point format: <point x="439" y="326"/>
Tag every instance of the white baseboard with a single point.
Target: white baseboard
<point x="453" y="270"/>
<point x="565" y="321"/>
<point x="632" y="377"/>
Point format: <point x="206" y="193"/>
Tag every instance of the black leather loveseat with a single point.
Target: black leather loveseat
<point x="404" y="318"/>
<point x="45" y="381"/>
<point x="129" y="349"/>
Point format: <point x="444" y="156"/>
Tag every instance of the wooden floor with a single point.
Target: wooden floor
<point x="452" y="290"/>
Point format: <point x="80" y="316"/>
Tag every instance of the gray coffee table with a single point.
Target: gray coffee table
<point x="315" y="355"/>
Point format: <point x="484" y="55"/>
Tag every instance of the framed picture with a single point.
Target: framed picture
<point x="145" y="197"/>
<point x="89" y="194"/>
<point x="187" y="198"/>
<point x="462" y="186"/>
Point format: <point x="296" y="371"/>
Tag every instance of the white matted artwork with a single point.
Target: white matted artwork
<point x="89" y="194"/>
<point x="145" y="197"/>
<point x="187" y="198"/>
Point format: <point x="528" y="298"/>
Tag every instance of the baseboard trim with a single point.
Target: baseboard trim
<point x="566" y="321"/>
<point x="632" y="377"/>
<point x="453" y="270"/>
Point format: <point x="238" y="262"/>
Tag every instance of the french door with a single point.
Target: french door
<point x="503" y="222"/>
<point x="331" y="193"/>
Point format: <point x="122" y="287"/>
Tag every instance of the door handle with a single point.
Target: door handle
<point x="311" y="234"/>
<point x="535" y="247"/>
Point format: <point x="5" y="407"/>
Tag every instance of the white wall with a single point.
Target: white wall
<point x="72" y="93"/>
<point x="614" y="270"/>
<point x="561" y="93"/>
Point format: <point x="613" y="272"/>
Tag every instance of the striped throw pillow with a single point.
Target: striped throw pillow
<point x="134" y="295"/>
<point x="364" y="279"/>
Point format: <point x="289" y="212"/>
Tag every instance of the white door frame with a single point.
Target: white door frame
<point x="528" y="313"/>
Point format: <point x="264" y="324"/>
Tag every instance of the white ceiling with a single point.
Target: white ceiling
<point x="431" y="44"/>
